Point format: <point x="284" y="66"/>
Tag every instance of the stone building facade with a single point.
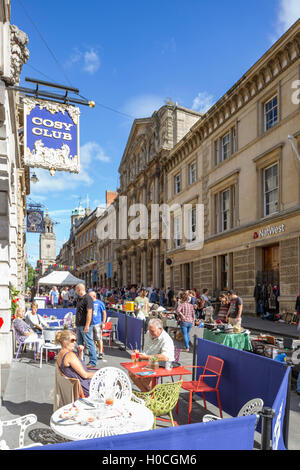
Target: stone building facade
<point x="238" y="161"/>
<point x="142" y="181"/>
<point x="14" y="177"/>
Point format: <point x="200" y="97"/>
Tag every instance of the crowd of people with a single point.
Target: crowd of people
<point x="189" y="306"/>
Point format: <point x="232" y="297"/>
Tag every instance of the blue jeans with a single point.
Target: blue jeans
<point x="185" y="328"/>
<point x="87" y="338"/>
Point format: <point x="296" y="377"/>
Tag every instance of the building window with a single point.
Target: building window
<point x="177" y="183"/>
<point x="225" y="209"/>
<point x="270" y="113"/>
<point x="271" y="190"/>
<point x="225" y="146"/>
<point x="177" y="231"/>
<point x="193" y="224"/>
<point x="224" y="272"/>
<point x="192" y="173"/>
<point x="225" y="200"/>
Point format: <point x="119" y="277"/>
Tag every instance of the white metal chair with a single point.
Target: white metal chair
<point x="112" y="382"/>
<point x="49" y="345"/>
<point x="114" y="322"/>
<point x="23" y="422"/>
<point x="252" y="407"/>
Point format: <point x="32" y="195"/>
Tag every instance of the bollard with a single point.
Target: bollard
<point x="194" y="356"/>
<point x="267" y="415"/>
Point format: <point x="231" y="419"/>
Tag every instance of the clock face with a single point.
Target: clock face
<point x="35" y="221"/>
<point x="35" y="218"/>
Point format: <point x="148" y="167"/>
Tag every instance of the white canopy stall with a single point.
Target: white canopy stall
<point x="59" y="278"/>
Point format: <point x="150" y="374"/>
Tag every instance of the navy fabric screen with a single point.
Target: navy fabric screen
<point x="134" y="332"/>
<point x="245" y="376"/>
<point x="57" y="312"/>
<point x="134" y="329"/>
<point x="227" y="434"/>
<point x="279" y="407"/>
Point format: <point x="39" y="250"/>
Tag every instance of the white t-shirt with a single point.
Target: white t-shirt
<point x="161" y="345"/>
<point x="34" y="320"/>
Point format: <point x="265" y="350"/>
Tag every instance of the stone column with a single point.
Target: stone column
<point x="124" y="269"/>
<point x="156" y="267"/>
<point x="144" y="276"/>
<point x="133" y="267"/>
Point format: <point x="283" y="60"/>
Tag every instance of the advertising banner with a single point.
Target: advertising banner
<point x="51" y="135"/>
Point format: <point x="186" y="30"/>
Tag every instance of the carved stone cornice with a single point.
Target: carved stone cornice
<point x="19" y="53"/>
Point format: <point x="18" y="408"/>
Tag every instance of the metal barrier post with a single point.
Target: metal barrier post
<point x="194" y="356"/>
<point x="267" y="415"/>
<point x="286" y="422"/>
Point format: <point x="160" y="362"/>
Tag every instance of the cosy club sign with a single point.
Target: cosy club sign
<point x="51" y="135"/>
<point x="269" y="231"/>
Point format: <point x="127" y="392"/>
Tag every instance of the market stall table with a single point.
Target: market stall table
<point x="239" y="341"/>
<point x="155" y="374"/>
<point x="100" y="420"/>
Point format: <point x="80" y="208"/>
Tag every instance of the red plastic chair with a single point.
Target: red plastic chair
<point x="107" y="331"/>
<point x="213" y="365"/>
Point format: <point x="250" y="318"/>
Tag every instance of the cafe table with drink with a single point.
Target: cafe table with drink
<point x="90" y="419"/>
<point x="144" y="369"/>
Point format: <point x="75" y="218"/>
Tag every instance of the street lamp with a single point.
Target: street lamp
<point x="292" y="141"/>
<point x="34" y="179"/>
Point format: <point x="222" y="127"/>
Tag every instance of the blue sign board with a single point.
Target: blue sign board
<point x="51" y="135"/>
<point x="35" y="220"/>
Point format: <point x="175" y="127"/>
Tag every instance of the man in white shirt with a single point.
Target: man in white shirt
<point x="65" y="297"/>
<point x="157" y="343"/>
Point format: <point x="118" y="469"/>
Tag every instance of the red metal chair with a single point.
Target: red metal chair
<point x="107" y="331"/>
<point x="213" y="365"/>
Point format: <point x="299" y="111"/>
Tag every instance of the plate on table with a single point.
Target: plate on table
<point x="174" y="364"/>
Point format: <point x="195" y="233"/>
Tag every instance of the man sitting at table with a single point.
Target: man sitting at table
<point x="157" y="343"/>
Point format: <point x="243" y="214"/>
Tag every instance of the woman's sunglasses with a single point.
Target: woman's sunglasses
<point x="73" y="340"/>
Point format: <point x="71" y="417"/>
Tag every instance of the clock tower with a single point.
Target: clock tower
<point x="47" y="243"/>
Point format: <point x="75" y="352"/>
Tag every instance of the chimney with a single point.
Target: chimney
<point x="110" y="197"/>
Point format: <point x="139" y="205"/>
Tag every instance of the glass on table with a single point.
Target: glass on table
<point x="133" y="358"/>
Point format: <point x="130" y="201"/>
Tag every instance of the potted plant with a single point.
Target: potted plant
<point x="153" y="362"/>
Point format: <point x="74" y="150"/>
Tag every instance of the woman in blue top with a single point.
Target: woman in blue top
<point x="69" y="363"/>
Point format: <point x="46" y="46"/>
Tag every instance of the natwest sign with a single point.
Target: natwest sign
<point x="268" y="231"/>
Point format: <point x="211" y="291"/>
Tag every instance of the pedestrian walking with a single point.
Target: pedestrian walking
<point x="84" y="327"/>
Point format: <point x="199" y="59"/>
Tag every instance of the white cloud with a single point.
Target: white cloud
<point x="88" y="59"/>
<point x="288" y="13"/>
<point x="143" y="105"/>
<point x="203" y="102"/>
<point x="64" y="181"/>
<point x="91" y="61"/>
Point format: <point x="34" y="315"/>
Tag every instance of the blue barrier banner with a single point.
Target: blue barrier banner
<point x="279" y="407"/>
<point x="134" y="333"/>
<point x="56" y="312"/>
<point x="134" y="329"/>
<point x="245" y="376"/>
<point x="225" y="434"/>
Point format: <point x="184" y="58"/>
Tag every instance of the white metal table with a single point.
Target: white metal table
<point x="103" y="420"/>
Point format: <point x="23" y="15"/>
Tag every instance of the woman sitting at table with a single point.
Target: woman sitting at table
<point x="25" y="333"/>
<point x="69" y="363"/>
<point x="34" y="320"/>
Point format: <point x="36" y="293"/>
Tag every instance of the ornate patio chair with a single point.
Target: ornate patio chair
<point x="23" y="422"/>
<point x="252" y="407"/>
<point x="161" y="400"/>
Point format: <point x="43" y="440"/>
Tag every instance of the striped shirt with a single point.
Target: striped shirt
<point x="187" y="312"/>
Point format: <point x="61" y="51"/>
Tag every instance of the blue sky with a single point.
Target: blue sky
<point x="130" y="56"/>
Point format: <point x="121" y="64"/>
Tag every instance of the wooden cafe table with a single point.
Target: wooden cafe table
<point x="143" y="366"/>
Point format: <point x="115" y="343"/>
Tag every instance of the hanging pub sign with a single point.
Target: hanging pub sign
<point x="51" y="135"/>
<point x="35" y="221"/>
